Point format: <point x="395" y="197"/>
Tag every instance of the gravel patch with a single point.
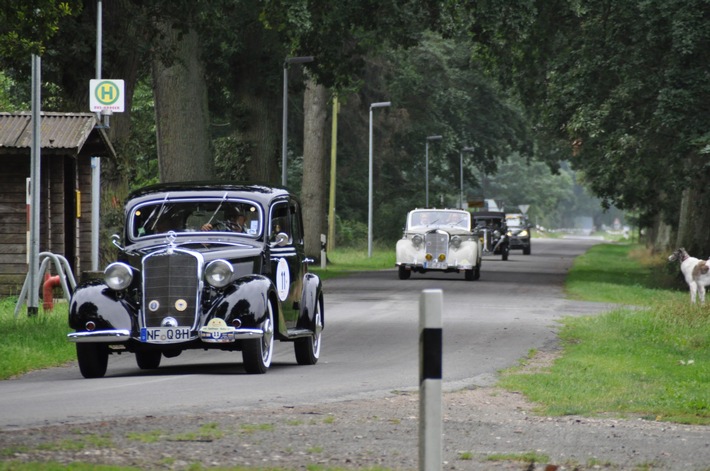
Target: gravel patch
<point x="484" y="429"/>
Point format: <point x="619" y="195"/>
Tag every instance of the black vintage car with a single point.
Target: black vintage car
<point x="492" y="227"/>
<point x="202" y="266"/>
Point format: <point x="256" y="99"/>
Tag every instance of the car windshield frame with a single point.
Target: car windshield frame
<point x="157" y="217"/>
<point x="438" y="219"/>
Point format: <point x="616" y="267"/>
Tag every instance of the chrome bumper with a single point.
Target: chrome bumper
<point x="100" y="336"/>
<point x="230" y="335"/>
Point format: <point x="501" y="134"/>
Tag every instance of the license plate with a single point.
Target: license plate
<point x="165" y="334"/>
<point x="436" y="265"/>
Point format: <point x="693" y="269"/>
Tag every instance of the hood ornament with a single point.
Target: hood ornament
<point x="171" y="236"/>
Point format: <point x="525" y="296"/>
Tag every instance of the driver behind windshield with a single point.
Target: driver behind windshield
<point x="234" y="221"/>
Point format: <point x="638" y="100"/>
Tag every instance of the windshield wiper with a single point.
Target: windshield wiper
<point x="219" y="206"/>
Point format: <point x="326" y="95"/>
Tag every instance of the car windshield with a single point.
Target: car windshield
<point x="217" y="215"/>
<point x="489" y="223"/>
<point x="439" y="219"/>
<point x="514" y="220"/>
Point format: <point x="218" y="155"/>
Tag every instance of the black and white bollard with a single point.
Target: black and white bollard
<point x="431" y="306"/>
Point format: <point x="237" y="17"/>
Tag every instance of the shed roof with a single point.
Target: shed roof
<point x="60" y="133"/>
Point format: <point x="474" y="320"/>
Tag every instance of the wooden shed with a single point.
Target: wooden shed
<point x="68" y="141"/>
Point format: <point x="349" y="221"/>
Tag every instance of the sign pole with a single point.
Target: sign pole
<point x="35" y="173"/>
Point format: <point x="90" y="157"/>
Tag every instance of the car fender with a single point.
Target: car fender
<point x="408" y="253"/>
<point x="469" y="251"/>
<point x="96" y="302"/>
<point x="246" y="300"/>
<point x="311" y="294"/>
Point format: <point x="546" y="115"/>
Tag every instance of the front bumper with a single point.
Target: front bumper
<point x="100" y="336"/>
<point x="442" y="266"/>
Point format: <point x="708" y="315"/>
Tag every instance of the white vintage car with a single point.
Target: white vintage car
<point x="441" y="240"/>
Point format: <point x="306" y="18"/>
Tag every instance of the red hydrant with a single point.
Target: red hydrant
<point x="47" y="291"/>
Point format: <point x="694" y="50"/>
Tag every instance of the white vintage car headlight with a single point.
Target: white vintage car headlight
<point x="456" y="241"/>
<point x="118" y="276"/>
<point x="417" y="240"/>
<point x="218" y="273"/>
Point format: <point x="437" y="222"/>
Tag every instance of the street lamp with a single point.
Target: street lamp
<point x="426" y="165"/>
<point x="465" y="149"/>
<point x="284" y="140"/>
<point x="382" y="104"/>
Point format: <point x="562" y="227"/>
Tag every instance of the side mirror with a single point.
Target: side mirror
<point x="116" y="240"/>
<point x="281" y="239"/>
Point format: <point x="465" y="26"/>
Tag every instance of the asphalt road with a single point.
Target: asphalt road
<point x="370" y="347"/>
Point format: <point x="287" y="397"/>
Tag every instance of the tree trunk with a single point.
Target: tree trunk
<point x="659" y="236"/>
<point x="313" y="191"/>
<point x="182" y="117"/>
<point x="262" y="134"/>
<point x="694" y="220"/>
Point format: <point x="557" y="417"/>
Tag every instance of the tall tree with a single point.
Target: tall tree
<point x="244" y="62"/>
<point x="626" y="84"/>
<point x="313" y="198"/>
<point x="181" y="110"/>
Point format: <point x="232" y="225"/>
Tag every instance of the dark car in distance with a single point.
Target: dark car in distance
<point x="519" y="232"/>
<point x="202" y="266"/>
<point x="494" y="233"/>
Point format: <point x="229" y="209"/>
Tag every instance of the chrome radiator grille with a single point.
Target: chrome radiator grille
<point x="170" y="288"/>
<point x="437" y="243"/>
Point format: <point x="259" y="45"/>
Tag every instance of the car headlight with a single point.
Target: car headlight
<point x="509" y="233"/>
<point x="523" y="233"/>
<point x="118" y="276"/>
<point x="218" y="273"/>
<point x="456" y="241"/>
<point x="417" y="240"/>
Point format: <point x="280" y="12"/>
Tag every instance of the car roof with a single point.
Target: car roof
<point x="488" y="214"/>
<point x="420" y="210"/>
<point x="213" y="189"/>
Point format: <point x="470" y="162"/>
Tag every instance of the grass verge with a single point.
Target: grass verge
<point x="31" y="343"/>
<point x="651" y="360"/>
<point x="349" y="260"/>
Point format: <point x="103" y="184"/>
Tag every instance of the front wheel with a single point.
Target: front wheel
<point x="474" y="274"/>
<point x="93" y="359"/>
<point x="257" y="353"/>
<point x="404" y="274"/>
<point x="308" y="348"/>
<point x="148" y="360"/>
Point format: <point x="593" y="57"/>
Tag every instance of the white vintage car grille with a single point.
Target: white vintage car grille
<point x="437" y="243"/>
<point x="170" y="288"/>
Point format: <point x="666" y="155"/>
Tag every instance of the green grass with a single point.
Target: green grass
<point x="612" y="273"/>
<point x="31" y="343"/>
<point x="650" y="361"/>
<point x="347" y="260"/>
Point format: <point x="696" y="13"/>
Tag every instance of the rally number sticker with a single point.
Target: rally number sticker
<point x="283" y="279"/>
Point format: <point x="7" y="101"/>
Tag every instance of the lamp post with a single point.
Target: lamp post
<point x="284" y="140"/>
<point x="382" y="104"/>
<point x="465" y="149"/>
<point x="426" y="165"/>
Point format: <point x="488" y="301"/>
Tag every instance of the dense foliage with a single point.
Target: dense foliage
<point x="623" y="83"/>
<point x="619" y="90"/>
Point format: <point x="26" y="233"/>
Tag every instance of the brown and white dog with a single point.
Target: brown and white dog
<point x="695" y="271"/>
